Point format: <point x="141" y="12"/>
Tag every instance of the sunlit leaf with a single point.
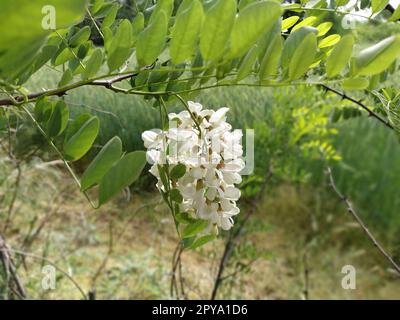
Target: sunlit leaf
<point x="216" y="29"/>
<point x="186" y="33"/>
<point x="329" y="41"/>
<point x="340" y="56"/>
<point x="378" y="57"/>
<point x="303" y="57"/>
<point x="151" y="40"/>
<point x="289" y="22"/>
<point x="256" y="19"/>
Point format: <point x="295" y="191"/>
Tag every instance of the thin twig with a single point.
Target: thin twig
<point x="14" y="197"/>
<point x="360" y="104"/>
<point x="30" y="255"/>
<point x="9" y="269"/>
<point x="352" y="211"/>
<point x="306" y="290"/>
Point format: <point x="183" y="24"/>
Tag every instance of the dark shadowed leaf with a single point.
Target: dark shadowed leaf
<point x="121" y="175"/>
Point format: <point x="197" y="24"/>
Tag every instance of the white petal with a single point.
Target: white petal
<point x="232" y="193"/>
<point x="195" y="107"/>
<point x="218" y="115"/>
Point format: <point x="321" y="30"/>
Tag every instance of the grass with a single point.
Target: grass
<point x="137" y="265"/>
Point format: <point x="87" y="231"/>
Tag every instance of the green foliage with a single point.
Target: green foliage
<point x="178" y="171"/>
<point x="93" y="64"/>
<point x="303" y="56"/>
<point x="58" y="120"/>
<point x="123" y="173"/>
<point x="216" y="29"/>
<point x="22" y="37"/>
<point x="254" y="20"/>
<point x="102" y="163"/>
<point x="184" y="50"/>
<point x="378" y="5"/>
<point x="194" y="228"/>
<point x="186" y="31"/>
<point x="120" y="47"/>
<point x="81" y="140"/>
<point x="379" y="57"/>
<point x="152" y="40"/>
<point x="340" y="56"/>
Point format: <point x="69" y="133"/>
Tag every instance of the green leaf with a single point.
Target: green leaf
<point x="378" y="57"/>
<point x="270" y="61"/>
<point x="137" y="27"/>
<point x="246" y="66"/>
<point x="184" y="218"/>
<point x="43" y="109"/>
<point x="80" y="143"/>
<point x="194" y="228"/>
<point x="110" y="17"/>
<point x="176" y="196"/>
<point x="80" y="37"/>
<point x="120" y="48"/>
<point x="256" y="19"/>
<point x="121" y="175"/>
<point x="396" y="14"/>
<point x="289" y="22"/>
<point x="341" y="3"/>
<point x="323" y="28"/>
<point x="187" y="242"/>
<point x="151" y="40"/>
<point x="186" y="33"/>
<point x="58" y="119"/>
<point x="378" y="5"/>
<point x="165" y="6"/>
<point x="74" y="127"/>
<point x="303" y="57"/>
<point x="329" y="41"/>
<point x="93" y="64"/>
<point x="104" y="160"/>
<point x="178" y="171"/>
<point x="340" y="56"/>
<point x="24" y="26"/>
<point x="293" y="42"/>
<point x="309" y="21"/>
<point x="216" y="29"/>
<point x="66" y="78"/>
<point x="202" y="241"/>
<point x="355" y="83"/>
<point x="64" y="56"/>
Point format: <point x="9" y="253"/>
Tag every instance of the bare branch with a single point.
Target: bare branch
<point x="352" y="211"/>
<point x="9" y="269"/>
<point x="360" y="104"/>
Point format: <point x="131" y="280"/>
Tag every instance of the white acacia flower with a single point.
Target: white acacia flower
<point x="212" y="158"/>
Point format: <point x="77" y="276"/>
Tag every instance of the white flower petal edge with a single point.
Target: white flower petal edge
<point x="213" y="161"/>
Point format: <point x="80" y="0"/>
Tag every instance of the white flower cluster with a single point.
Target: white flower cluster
<point x="212" y="159"/>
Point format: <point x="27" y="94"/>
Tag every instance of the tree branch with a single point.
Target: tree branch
<point x="60" y="92"/>
<point x="351" y="210"/>
<point x="360" y="104"/>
